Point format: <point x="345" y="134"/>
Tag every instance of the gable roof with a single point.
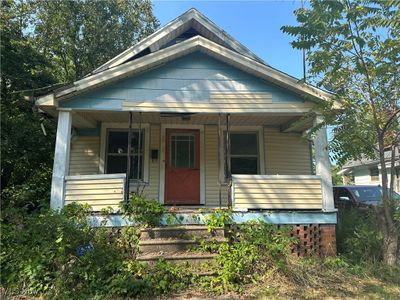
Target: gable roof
<point x="190" y="20"/>
<point x="207" y="38"/>
<point x="170" y="53"/>
<point x="365" y="161"/>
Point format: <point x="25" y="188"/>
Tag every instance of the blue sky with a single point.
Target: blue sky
<point x="256" y="24"/>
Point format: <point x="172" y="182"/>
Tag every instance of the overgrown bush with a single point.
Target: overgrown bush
<point x="359" y="237"/>
<point x="57" y="254"/>
<point x="143" y="211"/>
<point x="60" y="256"/>
<point x="255" y="247"/>
<point x="218" y="219"/>
<point x="142" y="279"/>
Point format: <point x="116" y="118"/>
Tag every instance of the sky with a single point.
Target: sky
<point x="255" y="24"/>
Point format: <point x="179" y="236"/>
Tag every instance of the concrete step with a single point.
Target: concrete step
<point x="180" y="232"/>
<point x="170" y="245"/>
<point x="179" y="257"/>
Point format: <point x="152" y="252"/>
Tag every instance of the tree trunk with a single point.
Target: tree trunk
<point x="390" y="244"/>
<point x="390" y="233"/>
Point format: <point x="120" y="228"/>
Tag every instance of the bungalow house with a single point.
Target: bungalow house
<point x="369" y="172"/>
<point x="196" y="120"/>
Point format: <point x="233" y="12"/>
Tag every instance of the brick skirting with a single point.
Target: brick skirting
<point x="314" y="239"/>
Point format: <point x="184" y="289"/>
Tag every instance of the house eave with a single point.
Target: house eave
<point x="163" y="56"/>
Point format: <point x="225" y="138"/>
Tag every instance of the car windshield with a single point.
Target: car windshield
<point x="373" y="193"/>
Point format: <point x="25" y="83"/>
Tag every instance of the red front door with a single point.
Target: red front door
<point x="182" y="167"/>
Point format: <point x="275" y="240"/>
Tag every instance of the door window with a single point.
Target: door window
<point x="182" y="153"/>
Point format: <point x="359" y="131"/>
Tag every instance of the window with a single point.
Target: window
<point x="117" y="148"/>
<point x="374" y="173"/>
<point x="182" y="151"/>
<point x="244" y="156"/>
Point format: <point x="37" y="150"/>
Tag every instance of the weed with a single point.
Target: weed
<point x="143" y="211"/>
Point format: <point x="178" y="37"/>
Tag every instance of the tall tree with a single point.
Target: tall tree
<point x="44" y="43"/>
<point x="79" y="36"/>
<point x="26" y="154"/>
<point x="354" y="51"/>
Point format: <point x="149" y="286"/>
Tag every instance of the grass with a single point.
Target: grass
<point x="315" y="279"/>
<point x="332" y="278"/>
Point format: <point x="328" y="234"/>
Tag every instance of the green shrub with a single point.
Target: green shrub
<point x="57" y="254"/>
<point x="217" y="219"/>
<point x="359" y="237"/>
<point x="255" y="247"/>
<point x="144" y="212"/>
<point x="142" y="279"/>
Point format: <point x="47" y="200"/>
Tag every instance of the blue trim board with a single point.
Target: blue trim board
<point x="90" y="131"/>
<point x="271" y="217"/>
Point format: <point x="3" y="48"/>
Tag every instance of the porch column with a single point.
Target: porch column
<point x="323" y="165"/>
<point x="61" y="159"/>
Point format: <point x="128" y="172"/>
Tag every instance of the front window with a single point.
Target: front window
<point x="244" y="154"/>
<point x="374" y="173"/>
<point x="117" y="149"/>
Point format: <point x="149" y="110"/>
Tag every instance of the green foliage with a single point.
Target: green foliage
<point x="218" y="219"/>
<point x="174" y="219"/>
<point x="26" y="154"/>
<point x="145" y="212"/>
<point x="359" y="239"/>
<point x="145" y="280"/>
<point x="256" y="247"/>
<point x="59" y="256"/>
<point x="79" y="36"/>
<point x="353" y="51"/>
<point x="44" y="43"/>
<point x="40" y="255"/>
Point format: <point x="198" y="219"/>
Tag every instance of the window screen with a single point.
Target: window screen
<point x="244" y="154"/>
<point x="117" y="148"/>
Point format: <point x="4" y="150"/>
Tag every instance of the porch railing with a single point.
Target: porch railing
<point x="276" y="192"/>
<point x="99" y="191"/>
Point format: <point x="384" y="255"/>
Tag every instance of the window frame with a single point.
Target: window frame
<point x="171" y="160"/>
<point x="259" y="130"/>
<point x="230" y="156"/>
<point x="109" y="130"/>
<point x="374" y="177"/>
<point x="106" y="126"/>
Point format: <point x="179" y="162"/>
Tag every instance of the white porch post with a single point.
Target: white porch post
<point x="61" y="159"/>
<point x="323" y="165"/>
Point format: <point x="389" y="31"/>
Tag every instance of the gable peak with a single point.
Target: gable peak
<point x="189" y="24"/>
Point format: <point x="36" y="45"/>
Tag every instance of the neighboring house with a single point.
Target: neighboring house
<point x="369" y="172"/>
<point x="212" y="126"/>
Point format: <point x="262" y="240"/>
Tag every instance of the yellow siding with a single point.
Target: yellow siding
<point x="227" y="106"/>
<point x="84" y="156"/>
<point x="211" y="168"/>
<point x="268" y="192"/>
<point x="98" y="192"/>
<point x="286" y="153"/>
<point x="151" y="190"/>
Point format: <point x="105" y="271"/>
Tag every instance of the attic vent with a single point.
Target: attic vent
<point x="184" y="36"/>
<point x="140" y="54"/>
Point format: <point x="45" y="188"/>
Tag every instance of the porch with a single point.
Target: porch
<point x="280" y="165"/>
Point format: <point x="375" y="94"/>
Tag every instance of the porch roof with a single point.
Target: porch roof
<point x="286" y="122"/>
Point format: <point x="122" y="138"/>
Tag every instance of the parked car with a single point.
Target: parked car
<point x="359" y="196"/>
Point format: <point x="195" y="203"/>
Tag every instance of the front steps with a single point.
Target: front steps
<point x="176" y="244"/>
